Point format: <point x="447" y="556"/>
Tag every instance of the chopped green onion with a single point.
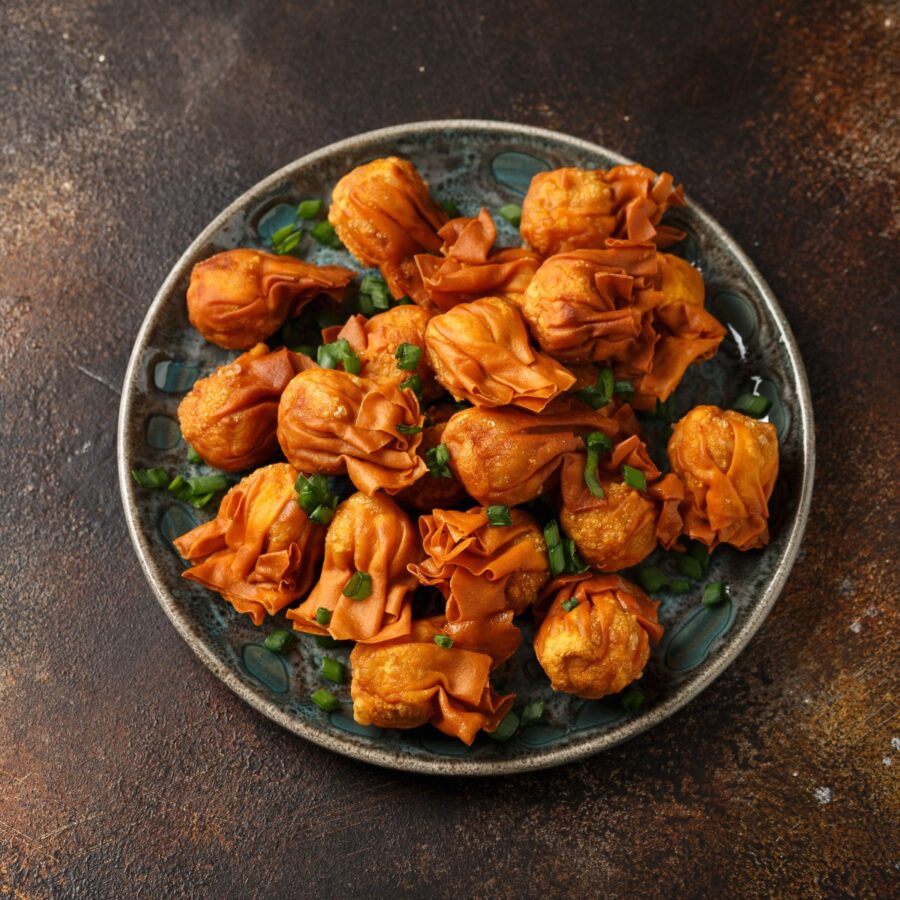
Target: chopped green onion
<point x="752" y="405"/>
<point x="323" y="616"/>
<point x="325" y="700"/>
<point x="436" y="459"/>
<point x="150" y="478"/>
<point x="408" y="356"/>
<point x="199" y="501"/>
<point x="358" y="586"/>
<point x="321" y="515"/>
<point x="409" y="429"/>
<point x="690" y="567"/>
<point x="450" y="208"/>
<point x="596" y="442"/>
<point x="508" y="726"/>
<point x="333" y="670"/>
<point x="326" y="641"/>
<point x="498" y="516"/>
<point x="652" y="579"/>
<point x="714" y="593"/>
<point x="600" y="393"/>
<point x="414" y="383"/>
<point x="699" y="551"/>
<point x="570" y="604"/>
<point x="574" y="563"/>
<point x="199" y="490"/>
<point x="286" y="239"/>
<point x="512" y="213"/>
<point x="679" y="586"/>
<point x="632" y="699"/>
<point x="309" y="209"/>
<point x="278" y="641"/>
<point x="634" y="478"/>
<point x="444" y="641"/>
<point x="376" y="290"/>
<point x="204" y="484"/>
<point x="532" y="713"/>
<point x="339" y="351"/>
<point x="193" y="456"/>
<point x="562" y="554"/>
<point x="315" y="498"/>
<point x="325" y="234"/>
<point x="623" y="388"/>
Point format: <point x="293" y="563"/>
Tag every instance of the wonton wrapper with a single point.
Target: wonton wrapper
<point x="238" y="298"/>
<point x="480" y="569"/>
<point x="261" y="551"/>
<point x="623" y="527"/>
<point x="687" y="332"/>
<point x="412" y="681"/>
<point x="480" y="351"/>
<point x="375" y="342"/>
<point x="383" y="213"/>
<point x="468" y="269"/>
<point x="572" y="209"/>
<point x="507" y="456"/>
<point x="728" y="463"/>
<point x="433" y="492"/>
<point x="596" y="305"/>
<point x="332" y="422"/>
<point x="371" y="535"/>
<point x="602" y="645"/>
<point x="230" y="417"/>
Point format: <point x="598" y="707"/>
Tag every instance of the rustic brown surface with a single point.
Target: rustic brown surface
<point x="126" y="768"/>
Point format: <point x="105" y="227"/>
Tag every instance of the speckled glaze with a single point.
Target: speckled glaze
<point x="473" y="163"/>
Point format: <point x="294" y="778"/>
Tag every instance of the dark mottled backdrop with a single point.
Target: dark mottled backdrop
<point x="125" y="768"/>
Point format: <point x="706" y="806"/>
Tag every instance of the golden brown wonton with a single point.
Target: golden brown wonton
<point x="621" y="528"/>
<point x="601" y="643"/>
<point x="481" y="352"/>
<point x="333" y="422"/>
<point x="728" y="463"/>
<point x="261" y="552"/>
<point x="482" y="569"/>
<point x="371" y="535"/>
<point x="572" y="209"/>
<point x="508" y="456"/>
<point x="469" y="270"/>
<point x="230" y="417"/>
<point x="238" y="298"/>
<point x="411" y="681"/>
<point x="383" y="213"/>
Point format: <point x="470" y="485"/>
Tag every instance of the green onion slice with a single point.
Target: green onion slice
<point x="679" y="586"/>
<point x="358" y="586"/>
<point x="309" y="209"/>
<point x="754" y="405"/>
<point x="151" y="478"/>
<point x="634" y="478"/>
<point x="652" y="579"/>
<point x="512" y="213"/>
<point x="450" y="208"/>
<point x="498" y="516"/>
<point x="323" y="616"/>
<point x="333" y="670"/>
<point x="444" y="641"/>
<point x="714" y="593"/>
<point x="325" y="700"/>
<point x="596" y="442"/>
<point x="193" y="456"/>
<point x="325" y="234"/>
<point x="690" y="567"/>
<point x="436" y="459"/>
<point x="570" y="604"/>
<point x="632" y="699"/>
<point x="408" y="356"/>
<point x="532" y="713"/>
<point x="278" y="641"/>
<point x="508" y="726"/>
<point x="409" y="429"/>
<point x="338" y="352"/>
<point x="376" y="291"/>
<point x="414" y="383"/>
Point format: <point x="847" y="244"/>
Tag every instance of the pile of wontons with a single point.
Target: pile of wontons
<point x="513" y="374"/>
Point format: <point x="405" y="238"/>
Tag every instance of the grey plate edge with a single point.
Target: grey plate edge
<point x="540" y="759"/>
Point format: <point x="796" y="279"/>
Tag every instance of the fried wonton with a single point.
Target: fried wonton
<point x="383" y="213"/>
<point x="230" y="417"/>
<point x="687" y="333"/>
<point x="371" y="535"/>
<point x="332" y="422"/>
<point x="479" y="568"/>
<point x="595" y="639"/>
<point x="261" y="552"/>
<point x="508" y="456"/>
<point x="376" y="340"/>
<point x="623" y="526"/>
<point x="572" y="209"/>
<point x="412" y="681"/>
<point x="469" y="270"/>
<point x="238" y="298"/>
<point x="480" y="351"/>
<point x="597" y="305"/>
<point x="728" y="463"/>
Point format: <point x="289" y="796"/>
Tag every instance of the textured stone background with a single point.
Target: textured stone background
<point x="126" y="769"/>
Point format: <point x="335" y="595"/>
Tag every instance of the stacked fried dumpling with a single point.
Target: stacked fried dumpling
<point x="487" y="424"/>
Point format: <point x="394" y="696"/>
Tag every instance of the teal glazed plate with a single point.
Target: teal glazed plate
<point x="474" y="164"/>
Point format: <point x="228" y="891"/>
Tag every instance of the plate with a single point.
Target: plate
<point x="473" y="163"/>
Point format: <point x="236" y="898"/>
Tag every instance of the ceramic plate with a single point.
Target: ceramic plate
<point x="472" y="163"/>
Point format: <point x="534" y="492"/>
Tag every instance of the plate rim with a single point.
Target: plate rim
<point x="539" y="758"/>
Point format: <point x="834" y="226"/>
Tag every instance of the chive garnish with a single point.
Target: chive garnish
<point x="600" y="393"/>
<point x="409" y="429"/>
<point x="652" y="579"/>
<point x="436" y="459"/>
<point x="339" y="351"/>
<point x="325" y="234"/>
<point x="444" y="641"/>
<point x="512" y="213"/>
<point x="278" y="641"/>
<point x="754" y="405"/>
<point x="634" y="478"/>
<point x="309" y="209"/>
<point x="699" y="551"/>
<point x="333" y="670"/>
<point x="679" y="585"/>
<point x="632" y="699"/>
<point x="532" y="713"/>
<point x="570" y="604"/>
<point x="151" y="478"/>
<point x="286" y="239"/>
<point x="326" y="641"/>
<point x="596" y="442"/>
<point x="325" y="700"/>
<point x="376" y="291"/>
<point x="323" y="616"/>
<point x="714" y="593"/>
<point x="623" y="388"/>
<point x="508" y="726"/>
<point x="690" y="567"/>
<point x="498" y="516"/>
<point x="414" y="383"/>
<point x="408" y="356"/>
<point x="316" y="498"/>
<point x="555" y="552"/>
<point x="574" y="563"/>
<point x="358" y="586"/>
<point x="193" y="456"/>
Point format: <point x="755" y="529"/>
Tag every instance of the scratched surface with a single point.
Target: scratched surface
<point x="126" y="769"/>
